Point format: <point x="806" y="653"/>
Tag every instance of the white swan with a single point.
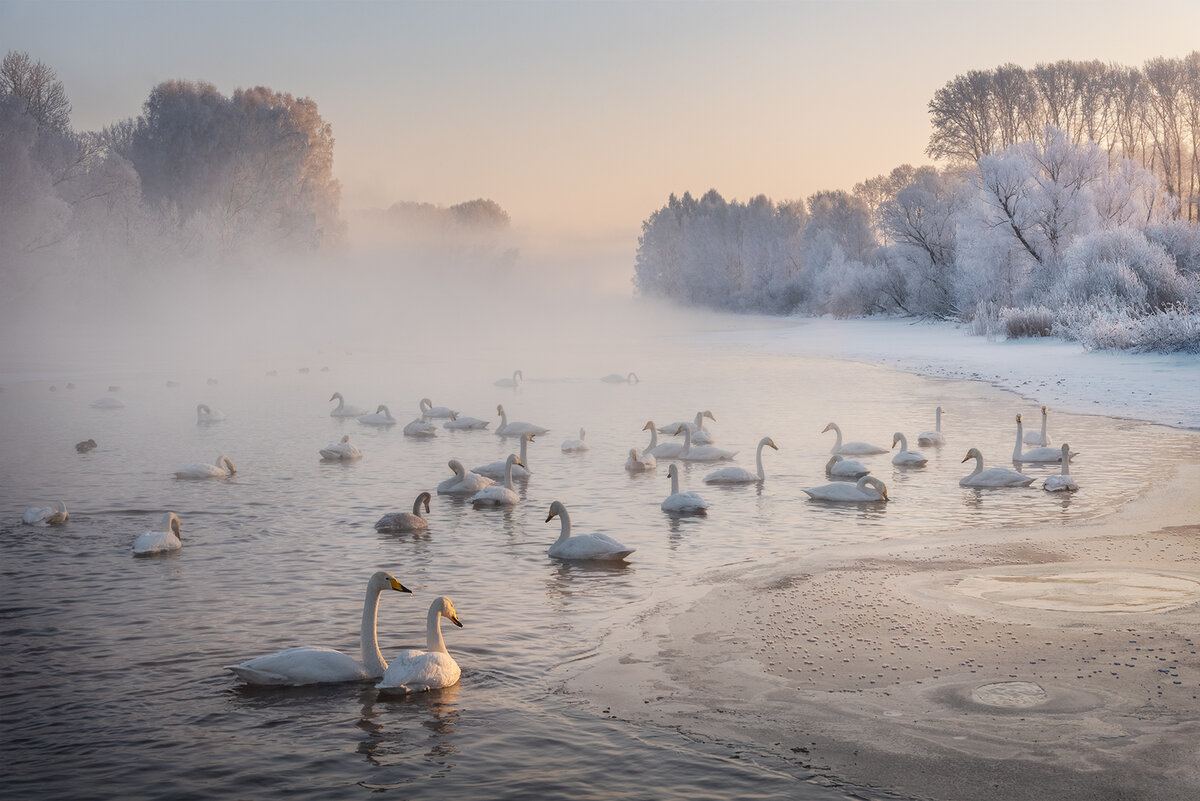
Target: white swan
<point x="905" y="457"/>
<point x="576" y="445"/>
<point x="497" y="494"/>
<point x="851" y="448"/>
<point x="838" y="467"/>
<point x="516" y="429"/>
<point x="1063" y="482"/>
<point x="701" y="453"/>
<point x="935" y="438"/>
<point x="667" y="450"/>
<point x="517" y="378"/>
<point x="740" y="475"/>
<point x="165" y="538"/>
<point x="1038" y="437"/>
<point x="617" y="378"/>
<point x="700" y="435"/>
<point x="204" y="414"/>
<point x="867" y="489"/>
<point x="414" y="671"/>
<point x="682" y="503"/>
<point x="107" y="403"/>
<point x="314" y="664"/>
<point x="496" y="470"/>
<point x="344" y="451"/>
<point x="420" y="428"/>
<point x="43" y="516"/>
<point x="1044" y="455"/>
<point x="342" y="410"/>
<point x="640" y="463"/>
<point x="595" y="546"/>
<point x="436" y="412"/>
<point x="406" y="521"/>
<point x="992" y="477"/>
<point x="463" y="482"/>
<point x="223" y="467"/>
<point x="465" y="423"/>
<point x="382" y="416"/>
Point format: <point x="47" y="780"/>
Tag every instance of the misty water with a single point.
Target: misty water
<point x="113" y="684"/>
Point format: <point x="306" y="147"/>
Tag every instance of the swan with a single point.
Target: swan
<point x="414" y="671"/>
<point x="314" y="664"/>
<point x="46" y="515"/>
<point x="165" y="538"/>
<point x="1063" y="481"/>
<point x="465" y="423"/>
<point x="837" y="467"/>
<point x="935" y="438"/>
<point x="867" y="489"/>
<point x="500" y="495"/>
<point x="382" y="416"/>
<point x="420" y="428"/>
<point x="740" y="475"/>
<point x="905" y="457"/>
<point x="85" y="446"/>
<point x="682" y="503"/>
<point x="703" y="453"/>
<point x="993" y="477"/>
<point x="617" y="378"/>
<point x="223" y="467"/>
<point x="495" y="470"/>
<point x="640" y="463"/>
<point x="576" y="445"/>
<point x="107" y="403"/>
<point x="344" y="451"/>
<point x="851" y="448"/>
<point x="667" y="450"/>
<point x="462" y="482"/>
<point x="1036" y="437"/>
<point x="699" y="435"/>
<point x="206" y="415"/>
<point x="406" y="521"/>
<point x="436" y="412"/>
<point x="507" y="429"/>
<point x="342" y="410"/>
<point x="517" y="378"/>
<point x="583" y="546"/>
<point x="1042" y="455"/>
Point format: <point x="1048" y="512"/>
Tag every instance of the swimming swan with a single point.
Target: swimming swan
<point x="837" y="467"/>
<point x="740" y="475"/>
<point x="700" y="435"/>
<point x="495" y="470"/>
<point x="421" y="428"/>
<point x="406" y="521"/>
<point x="702" y="453"/>
<point x="595" y="546"/>
<point x="1043" y="455"/>
<point x="43" y="516"/>
<point x="436" y="412"/>
<point x="414" y="671"/>
<point x="867" y="489"/>
<point x="382" y="416"/>
<point x="905" y="457"/>
<point x="1063" y="482"/>
<point x="499" y="495"/>
<point x="206" y="415"/>
<point x="165" y="538"/>
<point x="222" y="468"/>
<point x="617" y="378"/>
<point x="992" y="477"/>
<point x="851" y="448"/>
<point x="507" y="429"/>
<point x="682" y="503"/>
<point x="344" y="451"/>
<point x="314" y="664"/>
<point x="640" y="463"/>
<point x="935" y="438"/>
<point x="1038" y="437"/>
<point x="465" y="423"/>
<point x="576" y="445"/>
<point x="667" y="450"/>
<point x="517" y="378"/>
<point x="463" y="482"/>
<point x="342" y="410"/>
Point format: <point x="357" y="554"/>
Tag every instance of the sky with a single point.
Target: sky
<point x="583" y="117"/>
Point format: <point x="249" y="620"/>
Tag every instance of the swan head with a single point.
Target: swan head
<point x="60" y="512"/>
<point x="1043" y="411"/>
<point x="201" y="407"/>
<point x="426" y="403"/>
<point x="679" y="430"/>
<point x="973" y="454"/>
<point x="556" y="509"/>
<point x="336" y="396"/>
<point x="709" y="415"/>
<point x="633" y="379"/>
<point x="346" y="438"/>
<point x="672" y="471"/>
<point x="514" y="459"/>
<point x="1018" y="418"/>
<point x="170" y="522"/>
<point x="423" y="498"/>
<point x="445" y="608"/>
<point x="499" y="408"/>
<point x="385" y="580"/>
<point x="227" y="463"/>
<point x="453" y="415"/>
<point x="649" y="426"/>
<point x="830" y="427"/>
<point x="456" y="467"/>
<point x="770" y="443"/>
<point x="871" y="481"/>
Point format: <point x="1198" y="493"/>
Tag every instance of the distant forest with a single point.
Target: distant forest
<point x="1067" y="203"/>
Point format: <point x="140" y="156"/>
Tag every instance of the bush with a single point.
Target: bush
<point x="1036" y="321"/>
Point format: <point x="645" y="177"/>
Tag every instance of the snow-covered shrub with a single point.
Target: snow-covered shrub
<point x="986" y="320"/>
<point x="1036" y="321"/>
<point x="1123" y="264"/>
<point x="1169" y="330"/>
<point x="1181" y="239"/>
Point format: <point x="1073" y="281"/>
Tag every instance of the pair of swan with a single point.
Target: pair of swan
<point x="457" y="423"/>
<point x="162" y="539"/>
<point x="344" y="451"/>
<point x="700" y="435"/>
<point x="701" y="453"/>
<point x="868" y="489"/>
<point x="382" y="416"/>
<point x="436" y="412"/>
<point x="515" y="429"/>
<point x="1042" y="455"/>
<point x="740" y="475"/>
<point x="838" y="467"/>
<point x="1038" y="437"/>
<point x="420" y="428"/>
<point x="515" y="381"/>
<point x="682" y="503"/>
<point x="905" y="457"/>
<point x="576" y="445"/>
<point x="406" y="521"/>
<point x="223" y="467"/>
<point x="343" y="410"/>
<point x="617" y="378"/>
<point x="496" y="470"/>
<point x="43" y="516"/>
<point x="992" y="477"/>
<point x="205" y="414"/>
<point x="499" y="494"/>
<point x="592" y="547"/>
<point x="667" y="450"/>
<point x="463" y="482"/>
<point x="851" y="448"/>
<point x="935" y="438"/>
<point x="640" y="462"/>
<point x="1063" y="482"/>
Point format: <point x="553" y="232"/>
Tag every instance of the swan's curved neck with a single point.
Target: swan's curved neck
<point x="503" y="420"/>
<point x="508" y="466"/>
<point x="837" y="446"/>
<point x="903" y="442"/>
<point x="699" y="421"/>
<point x="433" y="631"/>
<point x="687" y="441"/>
<point x="565" y="520"/>
<point x="758" y="458"/>
<point x="1017" y="446"/>
<point x="653" y="440"/>
<point x="674" y="482"/>
<point x="341" y="403"/>
<point x="417" y="506"/>
<point x="978" y="465"/>
<point x="1066" y="460"/>
<point x="371" y="655"/>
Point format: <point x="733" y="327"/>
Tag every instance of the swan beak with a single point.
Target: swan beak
<point x="885" y="497"/>
<point x="773" y="445"/>
<point x="454" y="619"/>
<point x="648" y="425"/>
<point x="823" y="430"/>
<point x="965" y="458"/>
<point x="398" y="586"/>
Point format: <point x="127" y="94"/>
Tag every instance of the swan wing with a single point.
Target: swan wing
<point x="307" y="664"/>
<point x="156" y="542"/>
<point x="730" y="475"/>
<point x="417" y="671"/>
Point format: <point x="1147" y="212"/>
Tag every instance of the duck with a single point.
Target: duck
<point x="43" y="516"/>
<point x="935" y="438"/>
<point x="576" y="445"/>
<point x="1044" y="455"/>
<point x="344" y="451"/>
<point x="463" y="482"/>
<point x="702" y="453"/>
<point x="1064" y="481"/>
<point x="617" y="378"/>
<point x="515" y="381"/>
<point x="314" y="664"/>
<point x="682" y="503"/>
<point x="839" y="467"/>
<point x="86" y="445"/>
<point x="905" y="457"/>
<point x="867" y="489"/>
<point x="436" y="412"/>
<point x="420" y="428"/>
<point x="107" y="403"/>
<point x="458" y="423"/>
<point x="161" y="540"/>
<point x="382" y="416"/>
<point x="992" y="477"/>
<point x="667" y="450"/>
<point x="206" y="415"/>
<point x="740" y="475"/>
<point x="496" y="494"/>
<point x="516" y="429"/>
<point x="851" y="448"/>
<point x="344" y="410"/>
<point x="223" y="467"/>
<point x="496" y="470"/>
<point x="699" y="435"/>
<point x="1038" y="437"/>
<point x="597" y="546"/>
<point x="640" y="463"/>
<point x="406" y="521"/>
<point x="416" y="671"/>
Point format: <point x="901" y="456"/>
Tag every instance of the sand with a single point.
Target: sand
<point x="1056" y="663"/>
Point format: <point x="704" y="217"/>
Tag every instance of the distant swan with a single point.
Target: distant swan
<point x="86" y="445"/>
<point x="851" y="448"/>
<point x="576" y="445"/>
<point x="517" y="378"/>
<point x="682" y="503"/>
<point x="1063" y="482"/>
<point x="867" y="489"/>
<point x="1038" y="437"/>
<point x="46" y="515"/>
<point x="667" y="450"/>
<point x="462" y="482"/>
<point x="107" y="403"/>
<point x="406" y="521"/>
<point x="700" y="436"/>
<point x="992" y="477"/>
<point x="344" y="451"/>
<point x="935" y="438"/>
<point x="838" y="467"/>
<point x="206" y="415"/>
<point x="415" y="671"/>
<point x="617" y="378"/>
<point x="222" y="468"/>
<point x="342" y="410"/>
<point x="436" y="412"/>
<point x="164" y="538"/>
<point x="420" y="428"/>
<point x="500" y="495"/>
<point x="701" y="453"/>
<point x="740" y="475"/>
<point x="516" y="429"/>
<point x="905" y="457"/>
<point x="465" y="423"/>
<point x="314" y="664"/>
<point x="595" y="546"/>
<point x="380" y="417"/>
<point x="495" y="470"/>
<point x="1039" y="455"/>
<point x="640" y="463"/>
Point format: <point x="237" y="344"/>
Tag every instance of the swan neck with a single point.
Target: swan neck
<point x="341" y="403"/>
<point x="524" y="447"/>
<point x="674" y="483"/>
<point x="1043" y="426"/>
<point x="758" y="458"/>
<point x="508" y="466"/>
<point x="1017" y="446"/>
<point x="417" y="506"/>
<point x="433" y="631"/>
<point x="978" y="465"/>
<point x="687" y="441"/>
<point x="565" y="521"/>
<point x="653" y="440"/>
<point x="837" y="445"/>
<point x="372" y="657"/>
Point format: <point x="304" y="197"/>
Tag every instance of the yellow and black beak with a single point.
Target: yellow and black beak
<point x="454" y="619"/>
<point x="398" y="586"/>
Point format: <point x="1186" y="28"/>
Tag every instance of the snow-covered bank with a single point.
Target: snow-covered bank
<point x="1156" y="388"/>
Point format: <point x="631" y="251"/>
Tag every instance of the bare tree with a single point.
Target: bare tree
<point x="38" y="85"/>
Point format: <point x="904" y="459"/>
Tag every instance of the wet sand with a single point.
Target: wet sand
<point x="1032" y="663"/>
